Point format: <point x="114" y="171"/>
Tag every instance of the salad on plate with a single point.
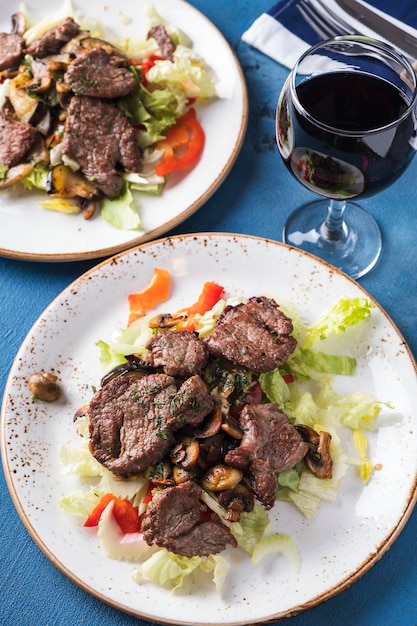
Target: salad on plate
<point x="98" y="119"/>
<point x="205" y="420"/>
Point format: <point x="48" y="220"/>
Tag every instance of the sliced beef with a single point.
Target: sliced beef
<point x="163" y="40"/>
<point x="172" y="521"/>
<point x="205" y="538"/>
<point x="270" y="444"/>
<point x="178" y="352"/>
<point x="192" y="402"/>
<point x="255" y="334"/>
<point x="99" y="74"/>
<point x="52" y="41"/>
<point x="16" y="140"/>
<point x="99" y="136"/>
<point x="132" y="421"/>
<point x="11" y="49"/>
<point x="171" y="512"/>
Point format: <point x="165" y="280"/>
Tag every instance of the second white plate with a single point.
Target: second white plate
<point x="28" y="231"/>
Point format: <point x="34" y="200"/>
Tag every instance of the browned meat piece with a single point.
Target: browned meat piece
<point x="52" y="41"/>
<point x="172" y="512"/>
<point x="132" y="420"/>
<point x="11" y="48"/>
<point x="16" y="140"/>
<point x="270" y="444"/>
<point x="172" y="521"/>
<point x="255" y="334"/>
<point x="205" y="538"/>
<point x="178" y="352"/>
<point x="99" y="74"/>
<point x="99" y="136"/>
<point x="193" y="401"/>
<point x="163" y="40"/>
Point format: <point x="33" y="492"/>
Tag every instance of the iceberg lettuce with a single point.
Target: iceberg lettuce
<point x="346" y="312"/>
<point x="168" y="569"/>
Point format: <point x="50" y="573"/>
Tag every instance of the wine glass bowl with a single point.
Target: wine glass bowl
<point x="346" y="129"/>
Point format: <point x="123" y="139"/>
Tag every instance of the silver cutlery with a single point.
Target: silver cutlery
<point x="326" y="23"/>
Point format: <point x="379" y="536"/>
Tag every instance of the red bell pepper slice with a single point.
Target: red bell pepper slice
<point x="157" y="291"/>
<point x="209" y="296"/>
<point x="182" y="145"/>
<point x="125" y="514"/>
<point x="95" y="515"/>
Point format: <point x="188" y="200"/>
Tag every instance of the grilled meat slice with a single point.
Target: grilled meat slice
<point x="164" y="41"/>
<point x="270" y="444"/>
<point x="172" y="521"/>
<point x="99" y="136"/>
<point x="255" y="334"/>
<point x="178" y="352"/>
<point x="17" y="138"/>
<point x="99" y="74"/>
<point x="52" y="41"/>
<point x="11" y="49"/>
<point x="132" y="421"/>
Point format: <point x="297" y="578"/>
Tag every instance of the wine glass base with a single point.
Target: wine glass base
<point x="355" y="251"/>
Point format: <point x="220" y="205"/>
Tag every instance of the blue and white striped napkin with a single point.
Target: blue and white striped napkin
<point x="282" y="34"/>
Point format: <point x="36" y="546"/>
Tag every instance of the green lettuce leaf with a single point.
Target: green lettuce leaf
<point x="187" y="71"/>
<point x="121" y="212"/>
<point x="345" y="313"/>
<point x="253" y="525"/>
<point x="306" y="361"/>
<point x="168" y="569"/>
<point x="278" y="542"/>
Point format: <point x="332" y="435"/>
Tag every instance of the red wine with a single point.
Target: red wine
<point x="339" y="157"/>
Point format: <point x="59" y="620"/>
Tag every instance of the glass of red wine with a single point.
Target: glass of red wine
<point x="346" y="129"/>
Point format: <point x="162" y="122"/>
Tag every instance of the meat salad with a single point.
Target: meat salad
<point x="87" y="120"/>
<point x="148" y="416"/>
<point x="192" y="417"/>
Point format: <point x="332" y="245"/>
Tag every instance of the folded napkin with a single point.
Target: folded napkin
<point x="282" y="33"/>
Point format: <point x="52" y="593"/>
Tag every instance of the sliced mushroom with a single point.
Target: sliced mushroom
<point x="236" y="501"/>
<point x="232" y="427"/>
<point x="165" y="320"/>
<point x="221" y="477"/>
<point x="24" y="105"/>
<point x="134" y="366"/>
<point x="44" y="386"/>
<point x="185" y="454"/>
<point x="81" y="412"/>
<point x="63" y="182"/>
<point x="180" y="475"/>
<point x="88" y="207"/>
<point x="211" y="451"/>
<point x="90" y="43"/>
<point x="211" y="425"/>
<point x="318" y="459"/>
<point x="15" y="175"/>
<point x="18" y="24"/>
<point x="308" y="434"/>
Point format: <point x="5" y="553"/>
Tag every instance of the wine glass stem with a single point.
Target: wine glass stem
<point x="334" y="227"/>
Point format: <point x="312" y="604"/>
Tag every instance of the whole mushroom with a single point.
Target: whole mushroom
<point x="44" y="386"/>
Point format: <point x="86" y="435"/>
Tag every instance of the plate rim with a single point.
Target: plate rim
<point x="339" y="586"/>
<point x="159" y="231"/>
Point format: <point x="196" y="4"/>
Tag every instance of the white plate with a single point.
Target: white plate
<point x="344" y="539"/>
<point x="31" y="232"/>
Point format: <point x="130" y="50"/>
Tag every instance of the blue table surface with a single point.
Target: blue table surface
<point x="254" y="199"/>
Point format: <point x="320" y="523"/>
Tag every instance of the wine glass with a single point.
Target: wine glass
<point x="346" y="128"/>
